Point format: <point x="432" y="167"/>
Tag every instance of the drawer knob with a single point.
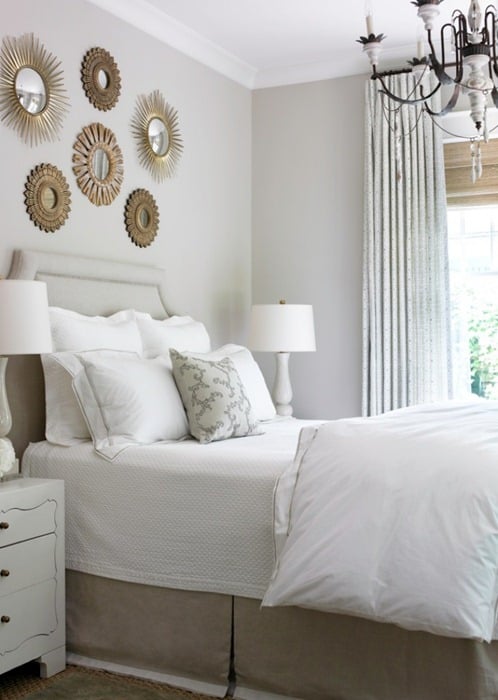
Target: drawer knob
<point x="4" y="525"/>
<point x="4" y="572"/>
<point x="5" y="618"/>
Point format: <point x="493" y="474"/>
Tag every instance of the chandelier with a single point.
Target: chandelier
<point x="467" y="63"/>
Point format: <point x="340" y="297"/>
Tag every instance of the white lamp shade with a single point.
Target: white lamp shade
<point x="24" y="319"/>
<point x="282" y="328"/>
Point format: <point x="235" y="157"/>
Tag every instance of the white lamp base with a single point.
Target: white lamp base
<point x="7" y="454"/>
<point x="282" y="390"/>
<point x="5" y="415"/>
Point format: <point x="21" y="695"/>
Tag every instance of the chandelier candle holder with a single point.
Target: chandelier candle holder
<point x="473" y="63"/>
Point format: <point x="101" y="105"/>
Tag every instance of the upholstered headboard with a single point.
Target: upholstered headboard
<point x="89" y="286"/>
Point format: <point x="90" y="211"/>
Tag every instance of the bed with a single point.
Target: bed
<point x="199" y="622"/>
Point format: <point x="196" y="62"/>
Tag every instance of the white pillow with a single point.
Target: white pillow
<point x="77" y="332"/>
<point x="250" y="375"/>
<point x="214" y="397"/>
<point x="129" y="401"/>
<point x="180" y="332"/>
<point x="64" y="422"/>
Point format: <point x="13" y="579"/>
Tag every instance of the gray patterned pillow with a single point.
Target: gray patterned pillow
<point x="214" y="398"/>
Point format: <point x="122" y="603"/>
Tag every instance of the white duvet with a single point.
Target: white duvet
<point x="395" y="518"/>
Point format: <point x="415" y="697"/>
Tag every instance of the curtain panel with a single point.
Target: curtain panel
<point x="406" y="304"/>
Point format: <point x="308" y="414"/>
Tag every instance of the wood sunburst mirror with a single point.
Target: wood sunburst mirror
<point x="47" y="197"/>
<point x="141" y="217"/>
<point x="155" y="128"/>
<point x="33" y="99"/>
<point x="98" y="164"/>
<point x="101" y="79"/>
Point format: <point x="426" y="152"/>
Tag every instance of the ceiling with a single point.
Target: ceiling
<point x="263" y="43"/>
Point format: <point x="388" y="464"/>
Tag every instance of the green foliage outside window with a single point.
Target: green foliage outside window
<point x="483" y="347"/>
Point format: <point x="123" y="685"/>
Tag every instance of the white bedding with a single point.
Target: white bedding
<point x="395" y="518"/>
<point x="180" y="515"/>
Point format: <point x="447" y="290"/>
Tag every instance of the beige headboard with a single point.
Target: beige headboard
<point x="90" y="286"/>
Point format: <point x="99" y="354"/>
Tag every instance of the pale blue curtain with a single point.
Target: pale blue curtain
<point x="406" y="304"/>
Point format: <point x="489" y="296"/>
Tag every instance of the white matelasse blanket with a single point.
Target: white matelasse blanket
<point x="395" y="518"/>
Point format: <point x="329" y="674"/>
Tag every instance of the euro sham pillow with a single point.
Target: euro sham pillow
<point x="179" y="332"/>
<point x="64" y="422"/>
<point x="214" y="397"/>
<point x="129" y="401"/>
<point x="72" y="331"/>
<point x="250" y="375"/>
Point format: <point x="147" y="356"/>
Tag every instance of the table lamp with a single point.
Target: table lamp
<point x="282" y="328"/>
<point x="24" y="330"/>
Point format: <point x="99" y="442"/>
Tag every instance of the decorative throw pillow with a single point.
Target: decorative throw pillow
<point x="250" y="376"/>
<point x="214" y="398"/>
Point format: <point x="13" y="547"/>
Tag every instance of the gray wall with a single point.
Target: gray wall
<point x="306" y="143"/>
<point x="307" y="231"/>
<point x="204" y="239"/>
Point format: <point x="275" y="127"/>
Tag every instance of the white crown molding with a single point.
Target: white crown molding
<point x="148" y="18"/>
<point x="142" y="15"/>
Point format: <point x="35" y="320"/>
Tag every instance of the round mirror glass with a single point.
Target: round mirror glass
<point x="103" y="79"/>
<point x="143" y="217"/>
<point x="49" y="198"/>
<point x="30" y="90"/>
<point x="158" y="136"/>
<point x="100" y="164"/>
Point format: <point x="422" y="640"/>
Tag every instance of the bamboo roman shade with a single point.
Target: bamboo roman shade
<point x="460" y="190"/>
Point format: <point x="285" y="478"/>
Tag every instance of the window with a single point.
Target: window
<point x="473" y="254"/>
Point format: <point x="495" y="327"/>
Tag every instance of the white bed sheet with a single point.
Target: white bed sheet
<point x="179" y="515"/>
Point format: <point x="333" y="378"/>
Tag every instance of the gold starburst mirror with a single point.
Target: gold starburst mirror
<point x="98" y="164"/>
<point x="155" y="128"/>
<point x="101" y="79"/>
<point x="33" y="100"/>
<point x="47" y="197"/>
<point x="141" y="217"/>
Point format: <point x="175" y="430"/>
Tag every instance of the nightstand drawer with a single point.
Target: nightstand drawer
<point x="18" y="524"/>
<point x="27" y="563"/>
<point x="27" y="614"/>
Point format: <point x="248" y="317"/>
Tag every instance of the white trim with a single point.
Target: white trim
<point x="175" y="681"/>
<point x="151" y="20"/>
<point x="148" y="18"/>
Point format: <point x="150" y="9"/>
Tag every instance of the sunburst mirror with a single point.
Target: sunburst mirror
<point x="47" y="197"/>
<point x="98" y="164"/>
<point x="33" y="100"/>
<point x="141" y="217"/>
<point x="155" y="128"/>
<point x="101" y="79"/>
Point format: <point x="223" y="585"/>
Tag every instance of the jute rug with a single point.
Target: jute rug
<point x="77" y="683"/>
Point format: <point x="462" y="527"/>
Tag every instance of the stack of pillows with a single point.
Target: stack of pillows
<point x="130" y="379"/>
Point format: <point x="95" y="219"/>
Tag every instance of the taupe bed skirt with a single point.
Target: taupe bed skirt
<point x="286" y="651"/>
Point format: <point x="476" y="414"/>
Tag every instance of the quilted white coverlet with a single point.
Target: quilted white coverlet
<point x="180" y="515"/>
<point x="395" y="518"/>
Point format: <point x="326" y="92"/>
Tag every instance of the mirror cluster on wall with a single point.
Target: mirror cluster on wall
<point x="34" y="102"/>
<point x="101" y="79"/>
<point x="98" y="164"/>
<point x="155" y="128"/>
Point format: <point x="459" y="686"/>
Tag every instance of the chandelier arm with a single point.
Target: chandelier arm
<point x="494" y="96"/>
<point x="449" y="106"/>
<point x="489" y="24"/>
<point x="440" y="66"/>
<point x="402" y="100"/>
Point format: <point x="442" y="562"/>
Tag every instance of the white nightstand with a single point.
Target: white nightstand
<point x="32" y="565"/>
